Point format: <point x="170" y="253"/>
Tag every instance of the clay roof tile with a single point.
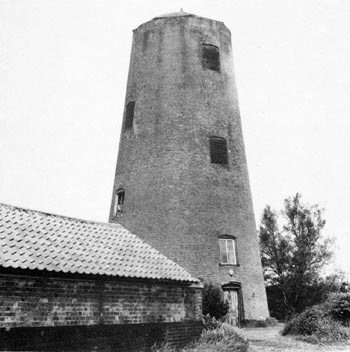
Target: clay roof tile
<point x="34" y="240"/>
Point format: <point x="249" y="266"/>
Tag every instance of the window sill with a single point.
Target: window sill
<point x="225" y="166"/>
<point x="205" y="68"/>
<point x="222" y="264"/>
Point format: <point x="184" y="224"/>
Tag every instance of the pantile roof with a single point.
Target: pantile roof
<point x="34" y="240"/>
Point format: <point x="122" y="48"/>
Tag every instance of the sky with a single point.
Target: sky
<point x="63" y="72"/>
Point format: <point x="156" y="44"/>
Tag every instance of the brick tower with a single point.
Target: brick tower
<point x="181" y="180"/>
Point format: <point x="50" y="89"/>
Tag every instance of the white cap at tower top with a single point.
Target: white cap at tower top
<point x="175" y="14"/>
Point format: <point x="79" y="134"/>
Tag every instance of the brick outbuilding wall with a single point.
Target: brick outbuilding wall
<point x="53" y="313"/>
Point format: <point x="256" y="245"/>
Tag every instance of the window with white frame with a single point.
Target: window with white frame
<point x="227" y="251"/>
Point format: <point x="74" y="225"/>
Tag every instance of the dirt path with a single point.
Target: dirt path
<point x="269" y="340"/>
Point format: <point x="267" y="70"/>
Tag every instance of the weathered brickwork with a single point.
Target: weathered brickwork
<point x="175" y="198"/>
<point x="58" y="302"/>
<point x="39" y="313"/>
<point x="101" y="338"/>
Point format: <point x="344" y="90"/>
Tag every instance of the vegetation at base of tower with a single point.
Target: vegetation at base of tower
<point x="262" y="323"/>
<point x="214" y="304"/>
<point x="224" y="338"/>
<point x="292" y="257"/>
<point x="324" y="323"/>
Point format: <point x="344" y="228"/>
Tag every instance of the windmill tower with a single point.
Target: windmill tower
<point x="181" y="180"/>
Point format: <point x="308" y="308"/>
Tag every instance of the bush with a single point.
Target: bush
<point x="210" y="323"/>
<point x="317" y="326"/>
<point x="306" y="323"/>
<point x="225" y="338"/>
<point x="213" y="301"/>
<point x="338" y="307"/>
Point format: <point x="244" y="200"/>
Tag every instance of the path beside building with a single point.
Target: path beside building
<point x="270" y="340"/>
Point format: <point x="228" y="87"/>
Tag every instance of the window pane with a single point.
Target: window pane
<point x="223" y="252"/>
<point x="231" y="252"/>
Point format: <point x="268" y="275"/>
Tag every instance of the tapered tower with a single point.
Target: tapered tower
<point x="181" y="180"/>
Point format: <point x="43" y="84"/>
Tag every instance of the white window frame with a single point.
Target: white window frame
<point x="231" y="256"/>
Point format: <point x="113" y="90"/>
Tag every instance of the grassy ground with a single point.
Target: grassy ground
<point x="269" y="340"/>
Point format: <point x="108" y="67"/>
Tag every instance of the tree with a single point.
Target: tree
<point x="293" y="256"/>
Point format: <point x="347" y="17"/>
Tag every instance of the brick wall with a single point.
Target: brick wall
<point x="47" y="311"/>
<point x="101" y="338"/>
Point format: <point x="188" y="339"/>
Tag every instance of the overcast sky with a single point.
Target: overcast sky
<point x="63" y="70"/>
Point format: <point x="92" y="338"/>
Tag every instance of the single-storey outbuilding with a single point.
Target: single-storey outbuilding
<point x="70" y="284"/>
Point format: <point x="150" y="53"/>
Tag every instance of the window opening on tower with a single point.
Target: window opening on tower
<point x="211" y="57"/>
<point x="218" y="150"/>
<point x="228" y="251"/>
<point x="119" y="202"/>
<point x="129" y="118"/>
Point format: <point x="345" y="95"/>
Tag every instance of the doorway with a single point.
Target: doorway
<point x="232" y="295"/>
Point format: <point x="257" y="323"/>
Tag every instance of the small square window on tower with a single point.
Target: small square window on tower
<point x="211" y="57"/>
<point x="218" y="150"/>
<point x="129" y="115"/>
<point x="227" y="251"/>
<point x="119" y="202"/>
